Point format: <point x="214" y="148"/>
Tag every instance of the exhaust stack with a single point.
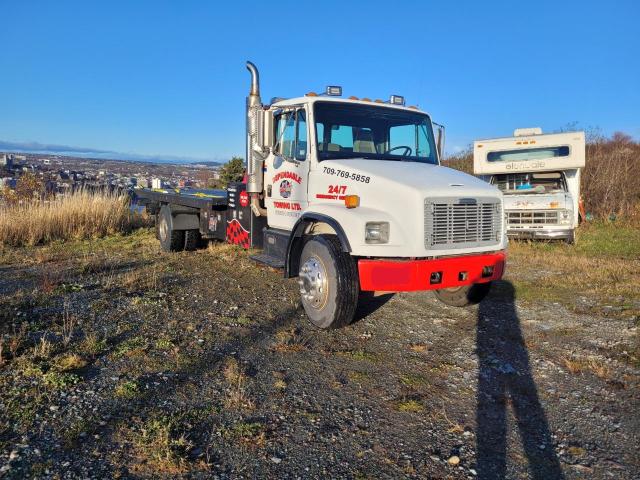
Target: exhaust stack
<point x="255" y="151"/>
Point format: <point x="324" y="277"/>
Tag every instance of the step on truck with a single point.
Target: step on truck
<point x="539" y="176"/>
<point x="348" y="196"/>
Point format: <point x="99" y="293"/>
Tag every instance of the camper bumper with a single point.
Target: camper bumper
<point x="563" y="233"/>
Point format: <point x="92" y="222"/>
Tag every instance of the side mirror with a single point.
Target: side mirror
<point x="439" y="139"/>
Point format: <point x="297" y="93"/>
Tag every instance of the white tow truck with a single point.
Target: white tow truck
<point x="348" y="195"/>
<point x="540" y="178"/>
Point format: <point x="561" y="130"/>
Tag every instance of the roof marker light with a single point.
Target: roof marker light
<point x="396" y="100"/>
<point x="311" y="94"/>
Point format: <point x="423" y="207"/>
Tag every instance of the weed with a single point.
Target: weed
<point x="128" y="390"/>
<point x="414" y="381"/>
<point x="92" y="344"/>
<point x="70" y="361"/>
<point x="418" y="347"/>
<point x="43" y="348"/>
<point x="161" y="445"/>
<point x="60" y="381"/>
<point x="360" y="354"/>
<point x="237" y="379"/>
<point x="577" y="366"/>
<point x="249" y="433"/>
<point x="357" y="376"/>
<point x="15" y="340"/>
<point x="289" y="340"/>
<point x="69" y="322"/>
<point x="133" y="344"/>
<point x="409" y="406"/>
<point x="164" y="344"/>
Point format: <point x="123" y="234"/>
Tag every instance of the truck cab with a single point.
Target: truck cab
<point x="539" y="176"/>
<point x="348" y="196"/>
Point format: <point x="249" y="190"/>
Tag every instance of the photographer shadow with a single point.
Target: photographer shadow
<point x="504" y="379"/>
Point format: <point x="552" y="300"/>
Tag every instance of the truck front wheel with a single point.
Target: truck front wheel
<point x="328" y="280"/>
<point x="463" y="296"/>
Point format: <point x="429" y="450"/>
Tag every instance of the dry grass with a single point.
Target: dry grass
<point x="69" y="362"/>
<point x="576" y="366"/>
<point x="76" y="216"/>
<point x="289" y="340"/>
<point x="236" y="379"/>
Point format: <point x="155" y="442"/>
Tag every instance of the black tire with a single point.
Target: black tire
<point x="170" y="240"/>
<point x="191" y="240"/>
<point x="463" y="296"/>
<point x="332" y="302"/>
<point x="571" y="239"/>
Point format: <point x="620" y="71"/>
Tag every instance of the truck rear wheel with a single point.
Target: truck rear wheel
<point x="463" y="296"/>
<point x="328" y="280"/>
<point x="170" y="240"/>
<point x="191" y="240"/>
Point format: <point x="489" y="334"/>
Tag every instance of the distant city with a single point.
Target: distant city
<point x="60" y="174"/>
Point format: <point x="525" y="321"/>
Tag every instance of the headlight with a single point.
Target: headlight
<point x="565" y="217"/>
<point x="376" y="232"/>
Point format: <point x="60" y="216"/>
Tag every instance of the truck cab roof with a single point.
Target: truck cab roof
<point x="311" y="99"/>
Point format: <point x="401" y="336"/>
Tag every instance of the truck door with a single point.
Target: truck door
<point x="287" y="169"/>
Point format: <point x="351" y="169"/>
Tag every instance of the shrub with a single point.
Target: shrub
<point x="80" y="215"/>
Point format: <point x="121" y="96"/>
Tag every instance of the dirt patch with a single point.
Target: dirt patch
<point x="203" y="364"/>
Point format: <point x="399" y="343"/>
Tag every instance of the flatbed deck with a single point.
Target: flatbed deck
<point x="188" y="197"/>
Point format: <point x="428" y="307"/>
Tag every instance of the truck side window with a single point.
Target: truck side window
<point x="301" y="135"/>
<point x="285" y="134"/>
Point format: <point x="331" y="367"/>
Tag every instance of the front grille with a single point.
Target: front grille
<point x="462" y="222"/>
<point x="533" y="217"/>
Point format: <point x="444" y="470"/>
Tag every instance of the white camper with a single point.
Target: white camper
<point x="539" y="176"/>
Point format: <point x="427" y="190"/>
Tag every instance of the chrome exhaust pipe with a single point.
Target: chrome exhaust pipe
<point x="255" y="81"/>
<point x="255" y="152"/>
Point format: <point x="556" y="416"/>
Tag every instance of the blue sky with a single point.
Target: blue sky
<point x="168" y="78"/>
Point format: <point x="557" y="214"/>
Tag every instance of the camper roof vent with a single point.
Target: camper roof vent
<point x="525" y="132"/>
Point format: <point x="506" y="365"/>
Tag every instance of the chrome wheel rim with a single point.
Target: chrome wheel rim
<point x="314" y="285"/>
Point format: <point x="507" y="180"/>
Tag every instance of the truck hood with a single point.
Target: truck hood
<point x="433" y="179"/>
<point x="541" y="201"/>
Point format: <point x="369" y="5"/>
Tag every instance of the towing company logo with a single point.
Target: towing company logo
<point x="289" y="175"/>
<point x="244" y="199"/>
<point x="285" y="189"/>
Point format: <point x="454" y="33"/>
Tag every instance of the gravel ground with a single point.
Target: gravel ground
<point x="136" y="364"/>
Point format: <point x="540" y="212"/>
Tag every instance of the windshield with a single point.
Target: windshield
<point x="375" y="132"/>
<point x="523" y="183"/>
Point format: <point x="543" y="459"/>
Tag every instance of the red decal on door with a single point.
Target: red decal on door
<point x="244" y="199"/>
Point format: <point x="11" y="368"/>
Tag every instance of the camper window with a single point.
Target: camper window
<point x="524" y="154"/>
<point x="524" y="183"/>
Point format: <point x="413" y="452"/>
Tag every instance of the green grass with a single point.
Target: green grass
<point x="603" y="268"/>
<point x="609" y="239"/>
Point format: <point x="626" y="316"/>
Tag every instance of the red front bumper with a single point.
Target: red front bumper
<point x="409" y="275"/>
